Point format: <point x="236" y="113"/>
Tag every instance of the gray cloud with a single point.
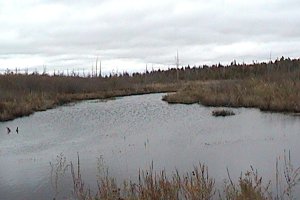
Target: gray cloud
<point x="131" y="33"/>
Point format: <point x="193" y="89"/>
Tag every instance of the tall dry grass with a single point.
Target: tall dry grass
<point x="194" y="185"/>
<point x="282" y="95"/>
<point x="23" y="94"/>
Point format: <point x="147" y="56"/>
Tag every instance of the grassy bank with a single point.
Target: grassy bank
<point x="194" y="185"/>
<point x="270" y="86"/>
<point x="23" y="103"/>
<point x="280" y="95"/>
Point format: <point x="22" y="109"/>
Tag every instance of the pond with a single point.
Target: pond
<point x="129" y="133"/>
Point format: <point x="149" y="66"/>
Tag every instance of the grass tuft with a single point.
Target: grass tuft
<point x="222" y="113"/>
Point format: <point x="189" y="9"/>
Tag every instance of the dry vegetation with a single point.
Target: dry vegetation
<point x="273" y="86"/>
<point x="270" y="86"/>
<point x="222" y="113"/>
<point x="21" y="95"/>
<point x="281" y="95"/>
<point x="195" y="185"/>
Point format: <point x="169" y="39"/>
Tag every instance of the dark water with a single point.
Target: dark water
<point x="129" y="133"/>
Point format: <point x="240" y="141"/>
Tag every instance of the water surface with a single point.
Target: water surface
<point x="131" y="132"/>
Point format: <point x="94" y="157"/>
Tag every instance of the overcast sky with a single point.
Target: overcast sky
<point x="128" y="34"/>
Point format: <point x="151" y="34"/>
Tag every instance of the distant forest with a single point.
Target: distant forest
<point x="62" y="83"/>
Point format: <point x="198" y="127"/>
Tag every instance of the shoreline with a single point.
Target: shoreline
<point x="282" y="96"/>
<point x="13" y="110"/>
<point x="273" y="86"/>
<point x="249" y="93"/>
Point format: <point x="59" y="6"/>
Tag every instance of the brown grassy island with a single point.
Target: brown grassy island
<point x="222" y="113"/>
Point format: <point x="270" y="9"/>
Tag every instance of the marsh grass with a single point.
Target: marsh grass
<point x="23" y="94"/>
<point x="151" y="185"/>
<point x="194" y="185"/>
<point x="279" y="96"/>
<point x="288" y="180"/>
<point x="20" y="104"/>
<point x="58" y="172"/>
<point x="250" y="186"/>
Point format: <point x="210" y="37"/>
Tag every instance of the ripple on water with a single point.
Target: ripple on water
<point x="131" y="132"/>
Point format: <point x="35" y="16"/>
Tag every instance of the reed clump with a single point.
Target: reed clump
<point x="151" y="185"/>
<point x="249" y="186"/>
<point x="194" y="185"/>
